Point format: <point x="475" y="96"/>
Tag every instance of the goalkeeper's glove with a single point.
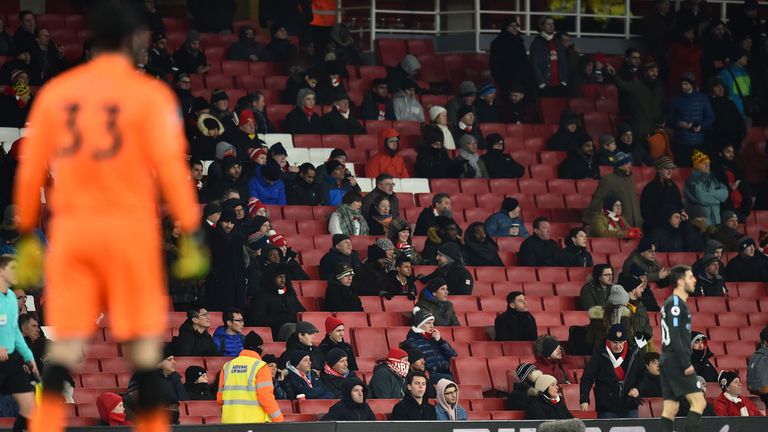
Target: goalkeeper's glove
<point x="29" y="270"/>
<point x="194" y="258"/>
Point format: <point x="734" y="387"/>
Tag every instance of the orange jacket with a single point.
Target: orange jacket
<point x="323" y="13"/>
<point x="265" y="391"/>
<point x="382" y="162"/>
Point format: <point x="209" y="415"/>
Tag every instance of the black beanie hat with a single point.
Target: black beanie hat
<point x="375" y="252"/>
<point x="228" y="215"/>
<point x="435" y="284"/>
<point x="296" y="356"/>
<point x="509" y="204"/>
<point x="278" y="149"/>
<point x="331" y="166"/>
<point x="726" y="378"/>
<point x="192" y="374"/>
<point x="271" y="171"/>
<point x="253" y="341"/>
<point x="338" y="238"/>
<point x="609" y="201"/>
<point x="334" y="356"/>
<point x="218" y="95"/>
<point x="548" y="346"/>
<point x="211" y="208"/>
<point x="629" y="282"/>
<point x="493" y="138"/>
<point x="199" y="104"/>
<point x="414" y="355"/>
<point x="464" y="110"/>
<point x="167" y="350"/>
<point x="269" y="358"/>
<point x="451" y="250"/>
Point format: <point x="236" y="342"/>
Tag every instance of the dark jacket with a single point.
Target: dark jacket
<point x="296" y="122"/>
<point x="396" y="288"/>
<point x="729" y="126"/>
<point x="743" y="269"/>
<point x="578" y="166"/>
<point x="227" y="284"/>
<point x="564" y="139"/>
<point x="340" y="298"/>
<point x="535" y="252"/>
<point x="574" y="256"/>
<point x="692" y="108"/>
<point x="486" y="113"/>
<point x="377" y="108"/>
<point x="593" y="293"/>
<point x="519" y="397"/>
<point x="347" y="409"/>
<point x="442" y="310"/>
<point x="280" y="50"/>
<point x="370" y="197"/>
<point x="437" y="354"/>
<point x="334" y="123"/>
<point x="702" y="365"/>
<point x="649" y="386"/>
<point x="188" y="61"/>
<point x="656" y="194"/>
<point x="201" y="391"/>
<point x="509" y="61"/>
<point x="502" y="165"/>
<point x="709" y="286"/>
<point x="329" y="261"/>
<point x="409" y="409"/>
<point x="298" y="386"/>
<point x="480" y="254"/>
<point x="645" y="101"/>
<point x="512" y="325"/>
<point x="456" y="276"/>
<point x="425" y="221"/>
<point x="209" y="17"/>
<point x="244" y="48"/>
<point x="385" y="383"/>
<point x="610" y="392"/>
<point x="190" y="343"/>
<point x="269" y="308"/>
<point x="685" y="238"/>
<point x="540" y="61"/>
<point x="299" y="192"/>
<point x="435" y="163"/>
<point x="328" y="344"/>
<point x="370" y="279"/>
<point x="334" y="383"/>
<point x="540" y="408"/>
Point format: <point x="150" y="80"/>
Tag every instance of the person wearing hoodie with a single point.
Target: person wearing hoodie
<point x="711" y="247"/>
<point x="620" y="183"/>
<point x="497" y="163"/>
<point x="196" y="383"/>
<point x="479" y="248"/>
<point x="388" y="379"/>
<point x="229" y="337"/>
<point x="549" y="358"/>
<point x="516" y="323"/>
<point x="220" y="110"/>
<point x="353" y="405"/>
<point x="424" y="337"/>
<point x="507" y="221"/>
<point x="302" y="379"/>
<point x="749" y="265"/>
<point x="611" y="223"/>
<point x="408" y="68"/>
<point x="448" y="407"/>
<point x="581" y="162"/>
<point x="303" y="119"/>
<point x="700" y="357"/>
<point x="227" y="282"/>
<point x="575" y="253"/>
<point x="549" y="60"/>
<point x="376" y="103"/>
<point x="246" y="48"/>
<point x="276" y="303"/>
<point x="193" y="339"/>
<point x="341" y="296"/>
<point x="728" y="172"/>
<point x="466" y="124"/>
<point x="340" y="120"/>
<point x="387" y="160"/>
<point x="334" y="339"/>
<point x="690" y="115"/>
<point x="279" y="48"/>
<point x="434" y="299"/>
<point x="546" y="403"/>
<point x="111" y="410"/>
<point x="335" y="371"/>
<point x="229" y="176"/>
<point x="569" y="135"/>
<point x="189" y="58"/>
<point x="432" y="159"/>
<point x="439" y="117"/>
<point x="509" y="63"/>
<point x="662" y="190"/>
<point x="266" y="184"/>
<point x="407" y="108"/>
<point x="371" y="277"/>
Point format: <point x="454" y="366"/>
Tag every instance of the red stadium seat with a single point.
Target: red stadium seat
<point x="277" y="82"/>
<point x="541" y="172"/>
<point x="312" y="257"/>
<point x="522" y="274"/>
<point x="534" y="185"/>
<point x="597" y="123"/>
<point x="509" y="244"/>
<point x="474" y="186"/>
<point x="398" y="304"/>
<point x="464" y="303"/>
<point x="731" y="319"/>
<point x="472" y="371"/>
<point x="491" y="274"/>
<point x="743" y="305"/>
<point x="433" y="68"/>
<point x="353" y="319"/>
<point x="105" y="350"/>
<point x="450" y="186"/>
<point x="550" y="201"/>
<point x="711" y="304"/>
<point x="316" y="318"/>
<point x="396" y="335"/>
<point x="371" y="341"/>
<point x="213" y="365"/>
<point x="235" y="68"/>
<point x="334" y="141"/>
<point x="508" y="415"/>
<point x="388" y="319"/>
<point x="420" y="47"/>
<point x="581" y="105"/>
<point x="469" y="334"/>
<point x="486" y="349"/>
<point x="203" y="408"/>
<point x="493" y="304"/>
<point x="98" y="380"/>
<point x="481" y="319"/>
<point x="315" y="406"/>
<point x="488" y="404"/>
<point x="560" y="186"/>
<point x="371" y="304"/>
<point x="551" y="109"/>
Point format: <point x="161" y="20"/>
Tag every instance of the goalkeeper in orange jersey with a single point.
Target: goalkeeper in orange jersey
<point x="112" y="138"/>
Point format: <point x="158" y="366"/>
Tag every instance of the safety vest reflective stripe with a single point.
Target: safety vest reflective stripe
<point x="276" y="415"/>
<point x="241" y="402"/>
<point x="323" y="13"/>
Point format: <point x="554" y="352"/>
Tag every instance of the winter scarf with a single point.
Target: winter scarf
<point x="306" y="377"/>
<point x="547" y="37"/>
<point x="330" y="371"/>
<point x="348" y="218"/>
<point x="448" y="142"/>
<point x="617" y="361"/>
<point x="739" y="404"/>
<point x="472" y="158"/>
<point x="399" y="367"/>
<point x="615" y="223"/>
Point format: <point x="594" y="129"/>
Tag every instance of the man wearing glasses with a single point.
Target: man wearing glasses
<point x="385" y="186"/>
<point x="229" y="337"/>
<point x="193" y="339"/>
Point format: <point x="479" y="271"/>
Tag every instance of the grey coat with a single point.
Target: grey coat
<point x="623" y="187"/>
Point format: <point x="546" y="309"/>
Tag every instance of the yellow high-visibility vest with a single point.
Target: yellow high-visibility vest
<point x="238" y="394"/>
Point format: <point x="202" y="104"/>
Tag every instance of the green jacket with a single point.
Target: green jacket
<point x="645" y="102"/>
<point x="623" y="187"/>
<point x="442" y="310"/>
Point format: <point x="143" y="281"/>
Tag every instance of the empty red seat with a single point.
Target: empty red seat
<point x="450" y="186"/>
<point x="387" y="319"/>
<point x="504" y="186"/>
<point x="396" y="335"/>
<point x="508" y="415"/>
<point x="606" y="245"/>
<point x="522" y="274"/>
<point x="419" y="47"/>
<point x="550" y="201"/>
<point x="104" y="350"/>
<point x="353" y="319"/>
<point x="464" y="303"/>
<point x="491" y="274"/>
<point x="372" y="342"/>
<point x="740" y="348"/>
<point x="488" y="404"/>
<point x="371" y="303"/>
<point x="474" y="186"/>
<point x="732" y="319"/>
<point x="597" y="123"/>
<point x="509" y="244"/>
<point x="551" y="109"/>
<point x="548" y="318"/>
<point x="743" y="305"/>
<point x="711" y="304"/>
<point x="315" y="406"/>
<point x="98" y="380"/>
<point x="481" y="318"/>
<point x="542" y="172"/>
<point x="203" y="408"/>
<point x="433" y="68"/>
<point x="398" y="304"/>
<point x="316" y="318"/>
<point x="369" y="72"/>
<point x="581" y="105"/>
<point x="472" y="371"/>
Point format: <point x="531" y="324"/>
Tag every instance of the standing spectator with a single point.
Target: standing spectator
<point x="546" y="402"/>
<point x="684" y="58"/>
<point x="46" y="56"/>
<point x="246" y="48"/>
<point x="757" y="372"/>
<point x="507" y="221"/>
<point x="6" y="40"/>
<point x="336" y="183"/>
<point x="193" y="339"/>
<point x="630" y="70"/>
<point x="226" y="283"/>
<point x="570" y="134"/>
<point x="611" y="223"/>
<point x="414" y="405"/>
<point x="728" y="172"/>
<point x="189" y="58"/>
<point x="347" y="218"/>
<point x="690" y="114"/>
<point x="212" y="18"/>
<point x="644" y="97"/>
<point x="340" y="252"/>
<point x="341" y="120"/>
<point x="658" y="29"/>
<point x="376" y="103"/>
<point x="748" y="265"/>
<point x="437" y="351"/>
<point x="407" y="108"/>
<point x="279" y="48"/>
<point x="549" y="358"/>
<point x="729" y="126"/>
<point x="335" y="371"/>
<point x="621" y="184"/>
<point x="700" y="355"/>
<point x="303" y="119"/>
<point x="575" y="253"/>
<point x="439" y="117"/>
<point x="298" y="79"/>
<point x="448" y="407"/>
<point x="24" y="38"/>
<point x="385" y="188"/>
<point x="467" y="125"/>
<point x="388" y="380"/>
<point x="294" y="14"/>
<point x="341" y="296"/>
<point x="650" y="381"/>
<point x="473" y="165"/>
<point x="334" y="339"/>
<point x="581" y="162"/>
<point x="434" y="299"/>
<point x="539" y="250"/>
<point x="303" y="190"/>
<point x="484" y="106"/>
<point x="479" y="248"/>
<point x="717" y="48"/>
<point x="595" y="291"/>
<point x="465" y="99"/>
<point x="353" y="405"/>
<point x="497" y="163"/>
<point x="520" y="396"/>
<point x="408" y="68"/>
<point x="302" y="379"/>
<point x="661" y="191"/>
<point x="509" y="60"/>
<point x="703" y="190"/>
<point x="451" y="269"/>
<point x="615" y="372"/>
<point x="170" y="390"/>
<point x="387" y="160"/>
<point x="516" y="323"/>
<point x="276" y="304"/>
<point x="266" y="184"/>
<point x="196" y="383"/>
<point x="548" y="60"/>
<point x="441" y="206"/>
<point x="729" y="404"/>
<point x="229" y="337"/>
<point x="639" y="324"/>
<point x="708" y="280"/>
<point x="432" y="160"/>
<point x="737" y="81"/>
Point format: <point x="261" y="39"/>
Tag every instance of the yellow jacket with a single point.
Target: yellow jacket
<point x="246" y="393"/>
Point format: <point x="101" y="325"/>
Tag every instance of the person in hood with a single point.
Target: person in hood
<point x="507" y="221"/>
<point x="230" y="177"/>
<point x="700" y="357"/>
<point x="464" y="99"/>
<point x="546" y="402"/>
<point x="226" y="283"/>
<point x="407" y="108"/>
<point x="423" y="336"/>
<point x="303" y="119"/>
<point x="336" y="182"/>
<point x="549" y="358"/>
<point x="229" y="337"/>
<point x="620" y="183"/>
<point x="342" y="46"/>
<point x="611" y="223"/>
<point x="509" y="63"/>
<point x="727" y="232"/>
<point x="731" y="403"/>
<point x="446" y="230"/>
<point x="334" y="339"/>
<point x="111" y="410"/>
<point x="203" y="144"/>
<point x="432" y="159"/>
<point x="347" y="218"/>
<point x="662" y="190"/>
<point x="516" y="323"/>
<point x="539" y="250"/>
<point x="341" y="251"/>
<point x="266" y="184"/>
<point x="189" y="58"/>
<point x="474" y="166"/>
<point x="376" y="103"/>
<point x="448" y="407"/>
<point x="749" y="265"/>
<point x="691" y="116"/>
<point x="193" y="339"/>
<point x="302" y="379"/>
<point x="388" y="380"/>
<point x="387" y="160"/>
<point x="549" y="60"/>
<point x="497" y="163"/>
<point x="353" y="405"/>
<point x="486" y="107"/>
<point x="439" y="117"/>
<point x="575" y="253"/>
<point x="196" y="383"/>
<point x="408" y="68"/>
<point x="711" y="247"/>
<point x="341" y="120"/>
<point x="276" y="303"/>
<point x="280" y="48"/>
<point x="335" y="371"/>
<point x="708" y="280"/>
<point x="466" y="124"/>
<point x="220" y="109"/>
<point x="569" y="135"/>
<point x="246" y="48"/>
<point x="702" y="189"/>
<point x="434" y="299"/>
<point x="727" y="171"/>
<point x="479" y="248"/>
<point x="341" y="296"/>
<point x="581" y="162"/>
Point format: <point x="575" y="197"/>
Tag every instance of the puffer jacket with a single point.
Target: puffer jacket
<point x="437" y="354"/>
<point x="692" y="108"/>
<point x="384" y="161"/>
<point x="499" y="223"/>
<point x="228" y="345"/>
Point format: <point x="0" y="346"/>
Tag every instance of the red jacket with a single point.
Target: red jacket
<point x="725" y="408"/>
<point x="382" y="162"/>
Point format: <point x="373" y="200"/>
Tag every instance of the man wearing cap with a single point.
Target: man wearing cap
<point x="376" y="104"/>
<point x="303" y="379"/>
<point x="690" y="115"/>
<point x="159" y="58"/>
<point x="757" y="370"/>
<point x="662" y="190"/>
<point x="615" y="370"/>
<point x="244" y="137"/>
<point x="451" y="269"/>
<point x="645" y="258"/>
<point x="621" y="184"/>
<point x="303" y="119"/>
<point x="171" y="389"/>
<point x="581" y="162"/>
<point x="549" y="358"/>
<point x="371" y="277"/>
<point x="232" y="178"/>
<point x="730" y="403"/>
<point x="748" y="265"/>
<point x="335" y="371"/>
<point x="432" y="159"/>
<point x="498" y="163"/>
<point x="434" y="298"/>
<point x="387" y="160"/>
<point x="516" y="323"/>
<point x="220" y="109"/>
<point x="334" y="339"/>
<point x="465" y="98"/>
<point x="196" y="384"/>
<point x="407" y="108"/>
<point x="643" y="97"/>
<point x="341" y="295"/>
<point x="340" y="119"/>
<point x="388" y="379"/>
<point x="424" y="337"/>
<point x="485" y="109"/>
<point x="340" y="252"/>
<point x="246" y="392"/>
<point x="227" y="280"/>
<point x="709" y="283"/>
<point x="727" y="232"/>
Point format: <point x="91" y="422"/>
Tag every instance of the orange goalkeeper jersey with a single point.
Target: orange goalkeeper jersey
<point x="113" y="140"/>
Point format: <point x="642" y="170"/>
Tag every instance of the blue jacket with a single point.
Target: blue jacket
<point x="703" y="190"/>
<point x="228" y="345"/>
<point x="332" y="192"/>
<point x="437" y="355"/>
<point x="269" y="194"/>
<point x="299" y="386"/>
<point x="691" y="108"/>
<point x="498" y="225"/>
<point x="442" y="414"/>
<point x="744" y="84"/>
